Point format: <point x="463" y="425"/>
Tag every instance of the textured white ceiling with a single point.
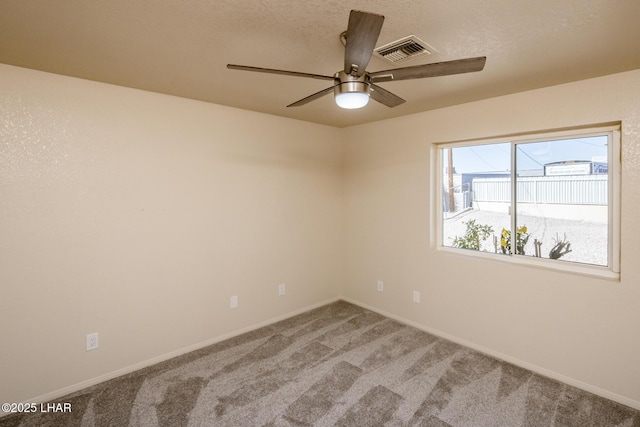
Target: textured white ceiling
<point x="181" y="47"/>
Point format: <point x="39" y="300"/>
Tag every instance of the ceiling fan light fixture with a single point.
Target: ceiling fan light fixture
<point x="352" y="100"/>
<point x="352" y="92"/>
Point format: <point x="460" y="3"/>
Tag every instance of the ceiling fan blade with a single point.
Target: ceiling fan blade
<point x="385" y="97"/>
<point x="362" y="35"/>
<point x="273" y="71"/>
<point x="458" y="66"/>
<point x="313" y="97"/>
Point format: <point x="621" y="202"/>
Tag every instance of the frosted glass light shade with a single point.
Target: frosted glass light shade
<point x="352" y="100"/>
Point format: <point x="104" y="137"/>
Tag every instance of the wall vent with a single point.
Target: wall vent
<point x="405" y="49"/>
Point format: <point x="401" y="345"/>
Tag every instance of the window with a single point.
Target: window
<point x="551" y="199"/>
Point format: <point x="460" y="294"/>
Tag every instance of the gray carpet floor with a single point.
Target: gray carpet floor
<point x="338" y="365"/>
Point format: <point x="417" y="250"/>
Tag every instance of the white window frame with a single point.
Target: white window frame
<point x="611" y="130"/>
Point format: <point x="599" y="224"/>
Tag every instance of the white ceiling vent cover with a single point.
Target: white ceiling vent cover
<point x="405" y="49"/>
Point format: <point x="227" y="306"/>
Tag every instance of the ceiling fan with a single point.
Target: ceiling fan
<point x="354" y="85"/>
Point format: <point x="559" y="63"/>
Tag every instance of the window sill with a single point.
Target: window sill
<point x="567" y="267"/>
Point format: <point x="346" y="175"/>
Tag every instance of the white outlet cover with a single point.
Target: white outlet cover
<point x="282" y="289"/>
<point x="92" y="341"/>
<point x="233" y="302"/>
<point x="416" y="296"/>
<point x="380" y="286"/>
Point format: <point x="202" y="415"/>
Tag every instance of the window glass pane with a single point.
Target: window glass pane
<point x="562" y="200"/>
<point x="559" y="203"/>
<point x="476" y="196"/>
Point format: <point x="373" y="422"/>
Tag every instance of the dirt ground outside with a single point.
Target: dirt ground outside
<point x="588" y="239"/>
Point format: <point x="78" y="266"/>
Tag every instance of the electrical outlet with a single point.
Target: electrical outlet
<point x="233" y="302"/>
<point x="282" y="289"/>
<point x="92" y="341"/>
<point x="380" y="286"/>
<point x="416" y="297"/>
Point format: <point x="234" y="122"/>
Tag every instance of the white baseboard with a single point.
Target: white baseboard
<point x="56" y="394"/>
<point x="498" y="355"/>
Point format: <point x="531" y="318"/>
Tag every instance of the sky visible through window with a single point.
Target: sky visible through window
<point x="531" y="156"/>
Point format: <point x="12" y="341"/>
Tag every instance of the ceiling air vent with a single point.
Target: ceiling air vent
<point x="405" y="49"/>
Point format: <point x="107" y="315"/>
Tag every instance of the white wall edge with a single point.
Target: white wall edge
<point x="56" y="394"/>
<point x="498" y="355"/>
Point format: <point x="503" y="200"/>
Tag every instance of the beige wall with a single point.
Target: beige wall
<point x="582" y="329"/>
<point x="138" y="215"/>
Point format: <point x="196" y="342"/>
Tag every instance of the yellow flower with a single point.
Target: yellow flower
<point x="505" y="233"/>
<point x="522" y="229"/>
<point x="503" y="242"/>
